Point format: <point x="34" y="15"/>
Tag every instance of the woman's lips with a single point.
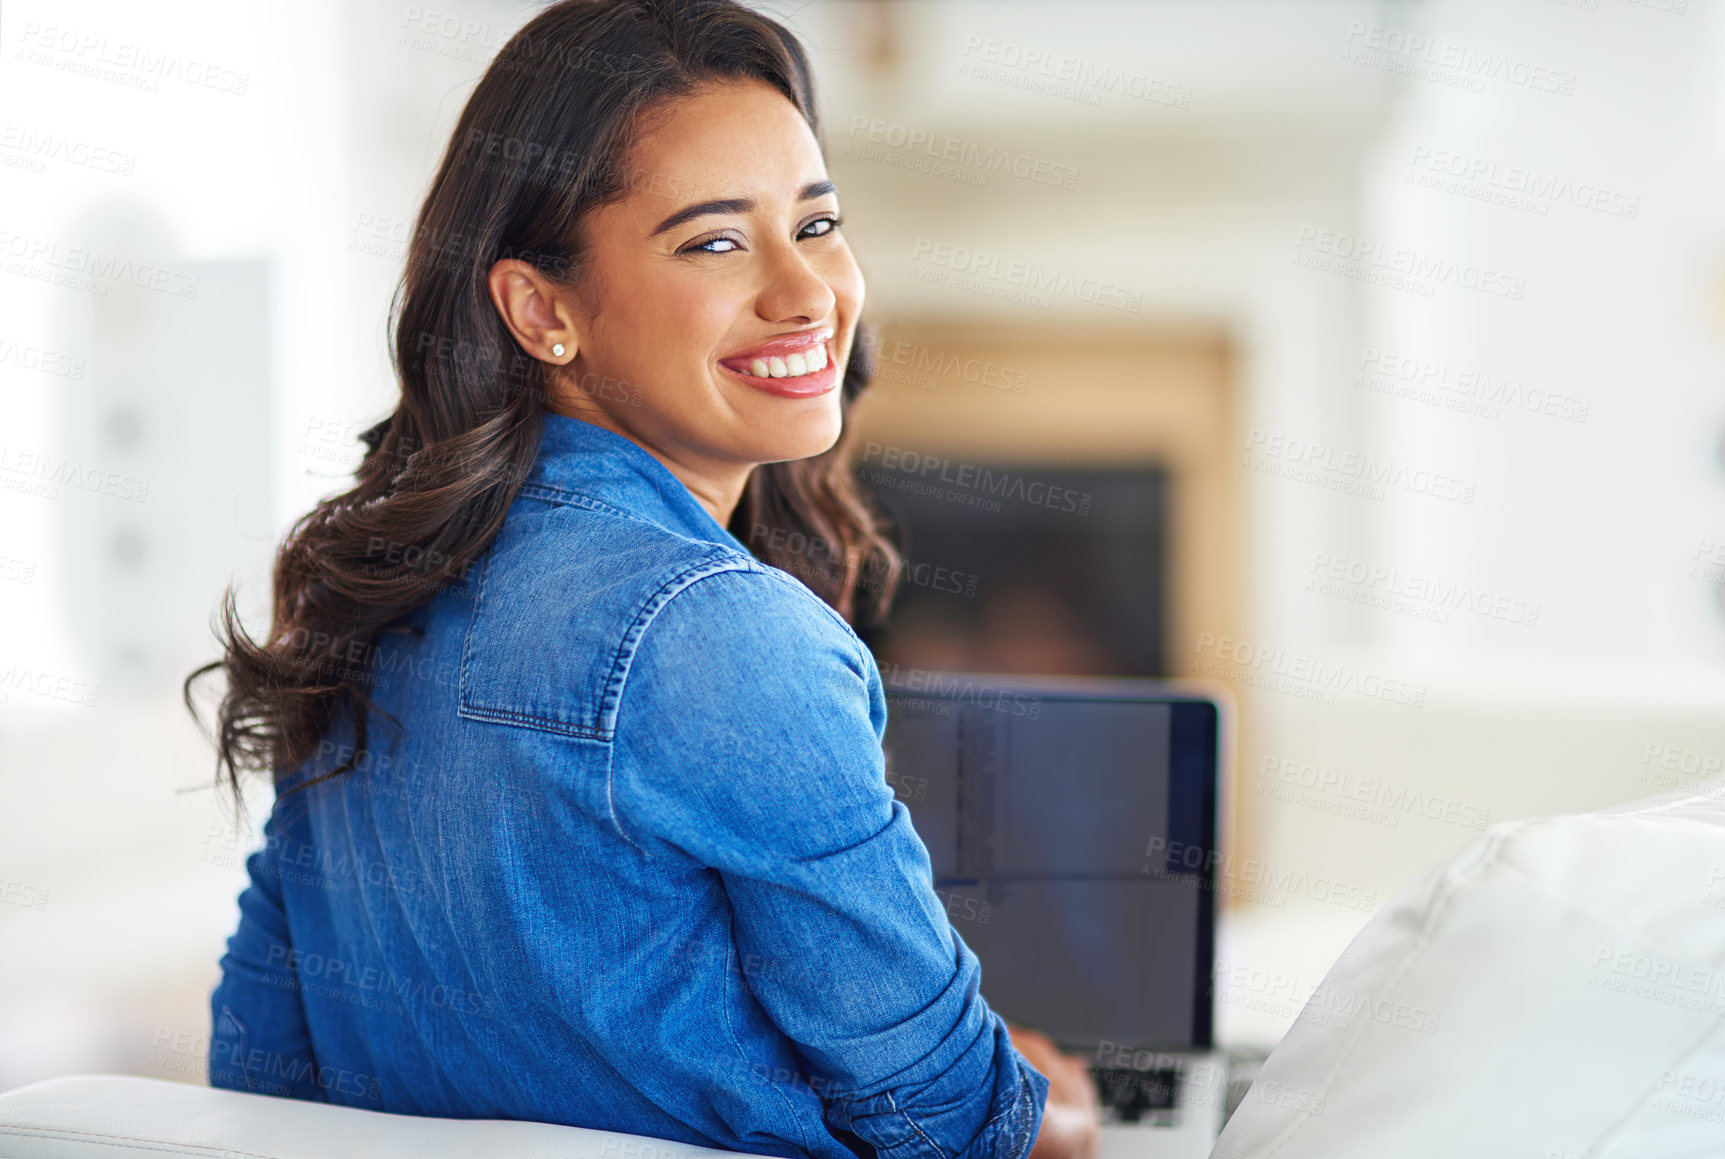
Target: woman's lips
<point x="800" y="342"/>
<point x="796" y="365"/>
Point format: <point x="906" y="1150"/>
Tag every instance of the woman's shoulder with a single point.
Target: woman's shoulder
<point x="608" y="565"/>
<point x="757" y="608"/>
<point x="563" y="600"/>
<point x="749" y="728"/>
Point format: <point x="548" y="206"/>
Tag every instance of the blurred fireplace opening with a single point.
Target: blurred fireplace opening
<point x="1027" y="570"/>
<point x="983" y="470"/>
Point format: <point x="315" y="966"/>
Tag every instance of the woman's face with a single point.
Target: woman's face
<point x="719" y="301"/>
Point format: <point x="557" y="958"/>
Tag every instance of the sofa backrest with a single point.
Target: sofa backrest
<point x="1554" y="990"/>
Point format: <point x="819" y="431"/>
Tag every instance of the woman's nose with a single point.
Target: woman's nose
<point x="794" y="291"/>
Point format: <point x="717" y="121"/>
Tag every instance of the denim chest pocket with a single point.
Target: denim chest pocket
<point x="563" y="597"/>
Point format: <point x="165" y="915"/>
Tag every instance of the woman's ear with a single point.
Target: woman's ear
<point x="538" y="311"/>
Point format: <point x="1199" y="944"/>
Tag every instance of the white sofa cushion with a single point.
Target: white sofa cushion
<point x="109" y="1116"/>
<point x="1553" y="991"/>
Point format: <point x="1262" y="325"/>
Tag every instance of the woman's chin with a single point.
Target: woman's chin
<point x="801" y="440"/>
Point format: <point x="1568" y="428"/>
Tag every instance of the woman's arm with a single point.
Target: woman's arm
<point x="258" y="1039"/>
<point x="748" y="737"/>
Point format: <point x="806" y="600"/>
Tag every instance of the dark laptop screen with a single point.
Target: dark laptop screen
<point x="1070" y="827"/>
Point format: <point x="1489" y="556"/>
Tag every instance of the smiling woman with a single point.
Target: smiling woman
<point x="626" y="856"/>
<point x="734" y="312"/>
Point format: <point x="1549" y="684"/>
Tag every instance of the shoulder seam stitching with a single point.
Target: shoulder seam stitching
<point x="611" y="699"/>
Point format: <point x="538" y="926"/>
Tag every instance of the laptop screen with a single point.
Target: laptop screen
<point x="1070" y="826"/>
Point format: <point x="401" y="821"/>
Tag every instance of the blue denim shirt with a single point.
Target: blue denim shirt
<point x="632" y="862"/>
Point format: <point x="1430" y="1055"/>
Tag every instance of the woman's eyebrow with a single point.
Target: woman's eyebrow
<point x="810" y="191"/>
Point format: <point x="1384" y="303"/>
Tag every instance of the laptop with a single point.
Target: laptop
<point x="1070" y="824"/>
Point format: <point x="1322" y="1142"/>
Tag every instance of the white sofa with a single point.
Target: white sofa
<point x="115" y="1116"/>
<point x="1555" y="990"/>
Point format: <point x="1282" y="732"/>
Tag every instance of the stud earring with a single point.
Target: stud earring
<point x="557" y="350"/>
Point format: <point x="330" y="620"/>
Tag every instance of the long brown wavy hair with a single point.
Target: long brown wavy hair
<point x="543" y="140"/>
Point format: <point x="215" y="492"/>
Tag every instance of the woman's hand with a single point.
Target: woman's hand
<point x="1071" y="1122"/>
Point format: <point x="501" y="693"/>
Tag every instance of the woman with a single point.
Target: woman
<point x="581" y="812"/>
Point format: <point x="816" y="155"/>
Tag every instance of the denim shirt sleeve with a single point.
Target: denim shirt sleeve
<point x="259" y="1040"/>
<point x="748" y="738"/>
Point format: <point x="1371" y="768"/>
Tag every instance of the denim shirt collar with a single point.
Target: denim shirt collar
<point x="578" y="458"/>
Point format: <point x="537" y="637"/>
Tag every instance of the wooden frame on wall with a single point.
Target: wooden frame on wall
<point x="1084" y="396"/>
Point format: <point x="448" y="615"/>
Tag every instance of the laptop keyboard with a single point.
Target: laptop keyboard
<point x="1137" y="1096"/>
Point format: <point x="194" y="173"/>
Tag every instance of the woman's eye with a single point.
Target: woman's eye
<point x="726" y="243"/>
<point x="708" y="246"/>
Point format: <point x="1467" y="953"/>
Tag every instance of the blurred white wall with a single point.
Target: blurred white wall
<point x="1231" y="160"/>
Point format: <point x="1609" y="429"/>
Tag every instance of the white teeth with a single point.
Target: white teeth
<point x="791" y="365"/>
